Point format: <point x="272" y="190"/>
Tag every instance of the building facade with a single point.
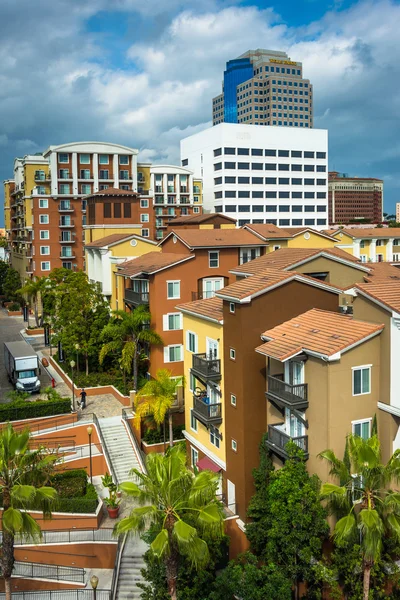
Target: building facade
<point x="260" y="175"/>
<point x="397" y="212"/>
<point x="353" y="199"/>
<point x="373" y="244"/>
<point x="264" y="87"/>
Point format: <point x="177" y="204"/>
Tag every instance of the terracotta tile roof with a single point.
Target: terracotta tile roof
<point x="272" y="232"/>
<point x="382" y="271"/>
<point x="288" y="257"/>
<point x="199" y="218"/>
<point x="151" y="263"/>
<point x="215" y="238"/>
<point x="113" y="192"/>
<point x="298" y="230"/>
<point x="210" y="308"/>
<point x="372" y="232"/>
<point x="319" y="331"/>
<point x="264" y="281"/>
<point x="386" y="292"/>
<point x="110" y="239"/>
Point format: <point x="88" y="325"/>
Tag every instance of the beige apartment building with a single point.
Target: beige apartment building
<point x="264" y="87"/>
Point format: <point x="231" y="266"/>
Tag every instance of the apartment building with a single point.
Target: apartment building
<point x="264" y="87"/>
<point x="397" y="212"/>
<point x="172" y="191"/>
<point x="204" y="221"/>
<point x="322" y="383"/>
<point x="374" y="244"/>
<point x="294" y="237"/>
<point x="260" y="175"/>
<point x="352" y="199"/>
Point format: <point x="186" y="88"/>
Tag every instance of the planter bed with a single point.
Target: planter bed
<point x="14" y="313"/>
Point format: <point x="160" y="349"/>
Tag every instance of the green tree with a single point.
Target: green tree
<point x="33" y="289"/>
<point x="289" y="524"/>
<point x="126" y="335"/>
<point x="81" y="313"/>
<point x="179" y="506"/>
<point x="157" y="396"/>
<point x="365" y="505"/>
<point x="23" y="473"/>
<point x="4" y="268"/>
<point x="12" y="284"/>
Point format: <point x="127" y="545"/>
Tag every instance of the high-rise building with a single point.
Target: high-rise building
<point x="398" y="212"/>
<point x="264" y="87"/>
<point x="354" y="199"/>
<point x="258" y="175"/>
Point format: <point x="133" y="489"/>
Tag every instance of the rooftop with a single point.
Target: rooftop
<point x="110" y="240"/>
<point x="272" y="232"/>
<point x="371" y="232"/>
<point x="192" y="219"/>
<point x="382" y="271"/>
<point x="213" y="238"/>
<point x="385" y="292"/>
<point x="113" y="192"/>
<point x="211" y="308"/>
<point x="316" y="332"/>
<point x="285" y="258"/>
<point x="151" y="263"/>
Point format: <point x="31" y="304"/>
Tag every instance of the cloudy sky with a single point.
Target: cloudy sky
<point x="143" y="73"/>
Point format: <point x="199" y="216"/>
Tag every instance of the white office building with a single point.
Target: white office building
<point x="262" y="174"/>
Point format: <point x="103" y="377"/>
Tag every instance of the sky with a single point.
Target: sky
<point x="143" y="73"/>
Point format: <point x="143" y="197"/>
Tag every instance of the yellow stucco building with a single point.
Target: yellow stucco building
<point x="294" y="237"/>
<point x="373" y="244"/>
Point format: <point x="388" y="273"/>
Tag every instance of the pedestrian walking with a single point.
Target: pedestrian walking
<point x="83" y="399"/>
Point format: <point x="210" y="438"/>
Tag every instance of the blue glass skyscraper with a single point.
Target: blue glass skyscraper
<point x="237" y="71"/>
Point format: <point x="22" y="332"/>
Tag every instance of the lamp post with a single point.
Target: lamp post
<point x="89" y="430"/>
<point x="77" y="347"/>
<point x="94" y="582"/>
<point x="72" y="365"/>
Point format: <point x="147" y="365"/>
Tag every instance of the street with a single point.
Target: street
<point x="10" y="328"/>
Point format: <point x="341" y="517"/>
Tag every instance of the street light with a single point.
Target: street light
<point x="94" y="582"/>
<point x="77" y="347"/>
<point x="72" y="365"/>
<point x="89" y="430"/>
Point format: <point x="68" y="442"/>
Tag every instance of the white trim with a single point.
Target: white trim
<point x="161" y="268"/>
<point x="209" y="259"/>
<point x="167" y="355"/>
<point x="193" y="417"/>
<point x="196" y="342"/>
<point x="389" y="408"/>
<point x="166" y="321"/>
<point x="174" y="281"/>
<point x="198" y="445"/>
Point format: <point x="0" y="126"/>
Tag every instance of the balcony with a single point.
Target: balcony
<point x="206" y="368"/>
<point x="277" y="440"/>
<point x="67" y="256"/>
<point x="29" y="270"/>
<point x="159" y="189"/>
<point x="40" y="176"/>
<point x="66" y="224"/>
<point x="65" y="208"/>
<point x="206" y="413"/>
<point x="285" y="394"/>
<point x="66" y="241"/>
<point x="183" y="189"/>
<point x="184" y="200"/>
<point x="136" y="298"/>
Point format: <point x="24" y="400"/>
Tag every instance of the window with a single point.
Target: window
<point x="283" y="167"/>
<point x="230" y="165"/>
<point x="217" y="152"/>
<point x="194" y="456"/>
<point x="256" y="152"/>
<point x="191" y="342"/>
<point x="321" y="154"/>
<point x="218" y="180"/>
<point x="63" y="173"/>
<point x="44" y="219"/>
<point x="123" y="159"/>
<point x="214" y="437"/>
<point x="270" y="167"/>
<point x="103" y="159"/>
<point x="284" y="153"/>
<point x="232" y="353"/>
<point x="44" y="250"/>
<point x="63" y="158"/>
<point x="144" y="218"/>
<point x="243" y="151"/>
<point x="85" y="174"/>
<point x="361" y="380"/>
<point x="85" y="188"/>
<point x="229" y="151"/>
<point x="193" y="421"/>
<point x="144" y="203"/>
<point x="173" y="353"/>
<point x="362" y="428"/>
<point x="269" y="180"/>
<point x="44" y="235"/>
<point x="296" y="153"/>
<point x="233" y="400"/>
<point x="124" y="175"/>
<point x="234" y="445"/>
<point x="308" y="154"/>
<point x="232" y="307"/>
<point x="43" y="203"/>
<point x="213" y="260"/>
<point x="84" y="159"/>
<point x="45" y="266"/>
<point x="103" y="174"/>
<point x="173" y="290"/>
<point x="64" y="188"/>
<point x="270" y="153"/>
<point x="380" y="242"/>
<point x="243" y="165"/>
<point x="146" y="233"/>
<point x="172" y="322"/>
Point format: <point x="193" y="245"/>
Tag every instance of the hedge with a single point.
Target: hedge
<point x="75" y="494"/>
<point x="156" y="436"/>
<point x="15" y="411"/>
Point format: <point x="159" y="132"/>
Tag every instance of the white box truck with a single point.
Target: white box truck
<point x="22" y="366"/>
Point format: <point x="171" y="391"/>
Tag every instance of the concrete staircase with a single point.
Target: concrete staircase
<point x="130" y="570"/>
<point x="120" y="449"/>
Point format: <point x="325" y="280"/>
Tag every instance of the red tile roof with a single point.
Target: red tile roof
<point x="192" y="219"/>
<point x="151" y="263"/>
<point x="215" y="238"/>
<point x="385" y="292"/>
<point x="382" y="271"/>
<point x="210" y="308"/>
<point x="272" y="232"/>
<point x="371" y="232"/>
<point x="109" y="240"/>
<point x="316" y="331"/>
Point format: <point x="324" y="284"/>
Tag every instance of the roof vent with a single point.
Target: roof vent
<point x="314" y="330"/>
<point x="335" y="336"/>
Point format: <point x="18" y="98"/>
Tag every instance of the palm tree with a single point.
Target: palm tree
<point x="34" y="289"/>
<point x="179" y="507"/>
<point x="23" y="473"/>
<point x="157" y="396"/>
<point x="127" y="334"/>
<point x="364" y="504"/>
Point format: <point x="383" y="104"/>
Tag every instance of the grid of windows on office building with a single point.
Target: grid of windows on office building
<point x="236" y="72"/>
<point x="268" y="185"/>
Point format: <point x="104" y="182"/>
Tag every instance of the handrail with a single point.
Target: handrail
<point x="117" y="566"/>
<point x="32" y="570"/>
<point x="133" y="439"/>
<point x="55" y="423"/>
<point x="82" y="594"/>
<point x="64" y="536"/>
<point x="105" y="449"/>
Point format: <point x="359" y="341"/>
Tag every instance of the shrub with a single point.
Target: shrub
<point x="156" y="436"/>
<point x="76" y="495"/>
<point x="84" y="504"/>
<point x="14" y="306"/>
<point x="20" y="409"/>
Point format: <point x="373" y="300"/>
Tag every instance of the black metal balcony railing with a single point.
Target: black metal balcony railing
<point x="136" y="297"/>
<point x="66" y="223"/>
<point x="277" y="440"/>
<point x="206" y="412"/>
<point x="295" y="396"/>
<point x="206" y="366"/>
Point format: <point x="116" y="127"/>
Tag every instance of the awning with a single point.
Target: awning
<point x="206" y="464"/>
